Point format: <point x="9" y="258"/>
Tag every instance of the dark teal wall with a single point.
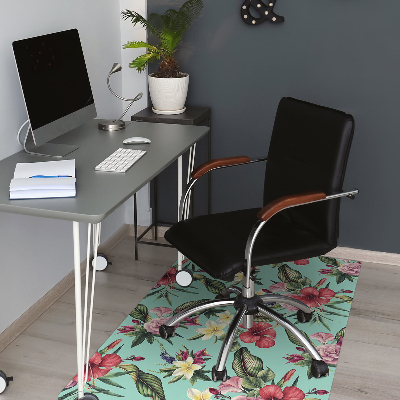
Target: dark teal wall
<point x="343" y="54"/>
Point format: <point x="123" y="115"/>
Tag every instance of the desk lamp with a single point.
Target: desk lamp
<point x="117" y="124"/>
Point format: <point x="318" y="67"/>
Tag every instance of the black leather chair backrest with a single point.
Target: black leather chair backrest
<point x="309" y="149"/>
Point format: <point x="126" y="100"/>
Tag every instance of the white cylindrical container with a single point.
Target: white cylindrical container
<point x="168" y="95"/>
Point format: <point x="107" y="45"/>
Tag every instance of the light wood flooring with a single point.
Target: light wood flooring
<point x="43" y="359"/>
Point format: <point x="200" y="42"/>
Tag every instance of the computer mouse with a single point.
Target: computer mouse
<point x="136" y="140"/>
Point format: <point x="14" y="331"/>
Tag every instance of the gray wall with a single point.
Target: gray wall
<point x="337" y="53"/>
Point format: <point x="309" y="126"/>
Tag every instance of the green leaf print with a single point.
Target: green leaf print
<point x="140" y="337"/>
<point x="293" y="338"/>
<point x="148" y="385"/>
<point x="106" y="391"/>
<point x="330" y="261"/>
<point x="188" y="305"/>
<point x="287" y="274"/>
<point x="345" y="298"/>
<point x="267" y="375"/>
<point x="250" y="382"/>
<point x="245" y="364"/>
<point x="176" y="379"/>
<point x="211" y="285"/>
<point x="340" y="334"/>
<point x="141" y="313"/>
<point x="108" y="381"/>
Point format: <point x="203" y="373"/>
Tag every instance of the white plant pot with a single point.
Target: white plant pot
<point x="168" y="95"/>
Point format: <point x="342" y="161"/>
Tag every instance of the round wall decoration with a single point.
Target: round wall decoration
<point x="265" y="12"/>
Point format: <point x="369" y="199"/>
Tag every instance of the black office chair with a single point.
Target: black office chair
<point x="306" y="164"/>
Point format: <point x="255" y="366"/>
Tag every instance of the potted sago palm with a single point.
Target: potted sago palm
<point x="168" y="86"/>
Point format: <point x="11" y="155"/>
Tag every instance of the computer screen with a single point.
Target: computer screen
<point x="55" y="83"/>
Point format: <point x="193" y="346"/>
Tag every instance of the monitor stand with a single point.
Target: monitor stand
<point x="48" y="149"/>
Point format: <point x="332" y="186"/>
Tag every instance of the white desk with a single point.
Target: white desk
<point x="98" y="195"/>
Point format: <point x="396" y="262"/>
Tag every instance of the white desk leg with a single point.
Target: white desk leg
<point x="78" y="307"/>
<point x="180" y="256"/>
<point x="84" y="327"/>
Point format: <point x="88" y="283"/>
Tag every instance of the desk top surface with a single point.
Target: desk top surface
<point x="98" y="194"/>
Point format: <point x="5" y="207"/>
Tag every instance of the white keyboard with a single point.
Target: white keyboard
<point x="121" y="160"/>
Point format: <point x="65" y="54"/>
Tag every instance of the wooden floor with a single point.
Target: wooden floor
<point x="42" y="359"/>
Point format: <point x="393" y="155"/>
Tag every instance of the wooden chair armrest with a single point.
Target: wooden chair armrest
<point x="218" y="162"/>
<point x="288" y="201"/>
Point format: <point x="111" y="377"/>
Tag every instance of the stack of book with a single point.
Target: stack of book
<point x="43" y="180"/>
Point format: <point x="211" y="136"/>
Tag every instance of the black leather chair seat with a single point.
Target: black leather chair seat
<point x="217" y="242"/>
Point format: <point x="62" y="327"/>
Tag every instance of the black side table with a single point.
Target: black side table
<point x="192" y="116"/>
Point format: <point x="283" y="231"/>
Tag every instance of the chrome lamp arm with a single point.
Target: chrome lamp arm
<point x="136" y="98"/>
<point x="117" y="124"/>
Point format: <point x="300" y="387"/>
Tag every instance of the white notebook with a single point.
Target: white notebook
<point x="44" y="180"/>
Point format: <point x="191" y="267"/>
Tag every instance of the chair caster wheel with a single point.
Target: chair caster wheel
<point x="101" y="262"/>
<point x="303" y="316"/>
<point x="4" y="381"/>
<point x="89" y="396"/>
<point x="184" y="277"/>
<point x="166" y="331"/>
<point x="319" y="369"/>
<point x="218" y="375"/>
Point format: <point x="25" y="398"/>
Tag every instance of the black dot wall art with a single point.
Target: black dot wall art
<point x="264" y="12"/>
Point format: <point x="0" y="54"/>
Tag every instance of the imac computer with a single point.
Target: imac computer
<point x="56" y="89"/>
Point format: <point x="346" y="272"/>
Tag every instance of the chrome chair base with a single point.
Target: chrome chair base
<point x="246" y="308"/>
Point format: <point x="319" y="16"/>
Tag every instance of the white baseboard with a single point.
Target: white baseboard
<point x="34" y="312"/>
<point x="378" y="257"/>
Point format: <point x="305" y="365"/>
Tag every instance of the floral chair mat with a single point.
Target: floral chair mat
<point x="265" y="363"/>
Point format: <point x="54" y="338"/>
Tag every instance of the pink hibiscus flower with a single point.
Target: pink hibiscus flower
<point x="261" y="333"/>
<point x="322" y="337"/>
<point x="273" y="392"/>
<point x="126" y="329"/>
<point x="182" y="355"/>
<point x="351" y="268"/>
<point x="98" y="366"/>
<point x="330" y="352"/>
<point x="113" y="344"/>
<point x="191" y="321"/>
<point x="153" y="326"/>
<point x="168" y="279"/>
<point x="315" y="297"/>
<point x="294" y="358"/>
<point x="304" y="261"/>
<point x="325" y="271"/>
<point x="136" y="358"/>
<point x="233" y="385"/>
<point x="278" y="287"/>
<point x="161" y="311"/>
<point x="288" y="376"/>
<point x="199" y="356"/>
<point x="321" y="282"/>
